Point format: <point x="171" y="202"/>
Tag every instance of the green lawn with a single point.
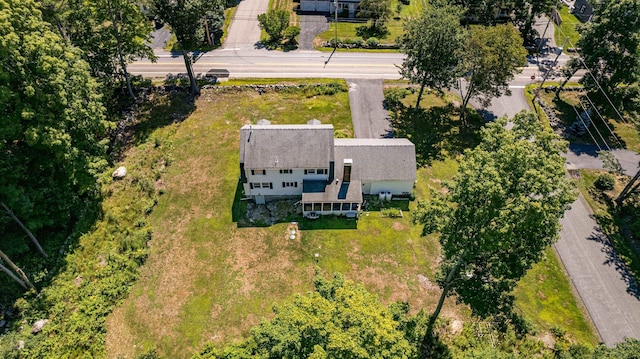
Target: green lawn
<point x="545" y="296"/>
<point x="567" y="29"/>
<point x="208" y="278"/>
<point x="347" y="30"/>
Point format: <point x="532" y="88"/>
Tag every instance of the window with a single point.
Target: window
<point x="317" y="206"/>
<point x="322" y="171"/>
<point x="254" y="185"/>
<point x="311" y="171"/>
<point x="308" y="207"/>
<point x="258" y="172"/>
<point x="326" y="207"/>
<point x="354" y="206"/>
<point x="345" y="206"/>
<point x="286" y="171"/>
<point x="336" y="206"/>
<point x="289" y="184"/>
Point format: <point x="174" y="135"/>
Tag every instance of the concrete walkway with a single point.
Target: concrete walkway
<point x="598" y="275"/>
<point x="370" y="118"/>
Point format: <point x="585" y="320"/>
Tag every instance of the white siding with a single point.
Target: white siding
<point x="315" y="5"/>
<point x="395" y="187"/>
<point x="276" y="179"/>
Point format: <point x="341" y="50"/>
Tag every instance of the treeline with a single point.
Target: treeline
<point x="340" y="319"/>
<point x="64" y="86"/>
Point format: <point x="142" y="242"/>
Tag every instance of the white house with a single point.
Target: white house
<point x="329" y="6"/>
<point x="330" y="176"/>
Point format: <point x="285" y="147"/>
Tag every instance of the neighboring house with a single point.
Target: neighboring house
<point x="582" y="10"/>
<point x="329" y="176"/>
<point x="328" y="7"/>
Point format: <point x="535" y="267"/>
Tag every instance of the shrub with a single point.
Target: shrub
<point x="358" y="41"/>
<point x="291" y="32"/>
<point x="604" y="182"/>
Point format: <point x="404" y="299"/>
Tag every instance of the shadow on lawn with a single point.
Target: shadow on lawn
<point x="436" y="132"/>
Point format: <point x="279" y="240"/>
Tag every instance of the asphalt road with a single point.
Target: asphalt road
<point x="598" y="275"/>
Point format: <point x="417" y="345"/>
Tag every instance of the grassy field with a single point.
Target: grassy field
<point x="210" y="279"/>
<point x="567" y="29"/>
<point x="546" y="296"/>
<point x="207" y="279"/>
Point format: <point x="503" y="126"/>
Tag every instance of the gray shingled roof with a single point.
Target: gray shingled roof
<point x="293" y="146"/>
<point x="384" y="159"/>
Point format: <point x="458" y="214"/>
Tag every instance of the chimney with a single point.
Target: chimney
<point x="346" y="173"/>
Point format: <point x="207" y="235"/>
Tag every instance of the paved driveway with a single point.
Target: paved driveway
<point x="586" y="156"/>
<point x="310" y="27"/>
<point x="370" y="119"/>
<point x="244" y="32"/>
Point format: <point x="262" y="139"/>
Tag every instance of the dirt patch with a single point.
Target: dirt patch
<point x="398" y="226"/>
<point x="426" y="283"/>
<point x="271" y="212"/>
<point x="456" y="326"/>
<point x="549" y="340"/>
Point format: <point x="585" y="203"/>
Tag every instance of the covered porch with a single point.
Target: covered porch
<point x="335" y="197"/>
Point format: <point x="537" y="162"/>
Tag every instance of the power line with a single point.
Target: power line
<point x="594" y="126"/>
<point x="603" y="120"/>
<point x="590" y="72"/>
<point x="587" y="128"/>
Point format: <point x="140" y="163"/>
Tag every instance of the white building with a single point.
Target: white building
<point x="328" y="6"/>
<point x="330" y="176"/>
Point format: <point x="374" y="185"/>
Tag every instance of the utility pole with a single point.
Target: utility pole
<point x="546" y="74"/>
<point x="335" y="10"/>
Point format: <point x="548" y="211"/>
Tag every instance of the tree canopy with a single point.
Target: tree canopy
<point x="378" y="11"/>
<point x="499" y="214"/>
<point x="610" y="48"/>
<point x="110" y="33"/>
<point x="432" y="43"/>
<point x="274" y="22"/>
<point x="338" y="320"/>
<point x="189" y="21"/>
<point x="53" y="121"/>
<point x="491" y="57"/>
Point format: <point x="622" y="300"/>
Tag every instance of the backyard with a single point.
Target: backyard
<point x="211" y="276"/>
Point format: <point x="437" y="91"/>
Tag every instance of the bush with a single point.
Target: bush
<point x="358" y="41"/>
<point x="373" y="42"/>
<point x="604" y="182"/>
<point x="291" y="32"/>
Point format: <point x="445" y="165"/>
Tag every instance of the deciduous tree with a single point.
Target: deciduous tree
<point x="491" y="57"/>
<point x="111" y="34"/>
<point x="499" y="214"/>
<point x="274" y="22"/>
<point x="338" y="320"/>
<point x="610" y="48"/>
<point x="53" y="127"/>
<point x="187" y="19"/>
<point x="432" y="44"/>
<point x="378" y="11"/>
